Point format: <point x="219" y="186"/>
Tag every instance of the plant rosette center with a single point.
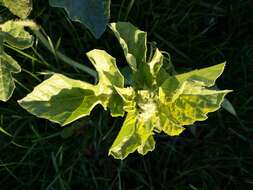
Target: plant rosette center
<point x="146" y="104"/>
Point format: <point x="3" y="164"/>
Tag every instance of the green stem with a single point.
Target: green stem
<point x="120" y="10"/>
<point x="63" y="57"/>
<point x="129" y="7"/>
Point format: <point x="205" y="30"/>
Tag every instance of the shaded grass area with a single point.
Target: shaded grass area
<point x="197" y="33"/>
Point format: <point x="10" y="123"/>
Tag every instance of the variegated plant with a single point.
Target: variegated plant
<point x="13" y="33"/>
<point x="156" y="101"/>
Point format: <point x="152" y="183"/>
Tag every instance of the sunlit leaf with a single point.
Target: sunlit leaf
<point x="13" y="33"/>
<point x="128" y="97"/>
<point x="20" y="8"/>
<point x="189" y="103"/>
<point x="133" y="42"/>
<point x="148" y="74"/>
<point x="207" y="75"/>
<point x="64" y="100"/>
<point x="8" y="66"/>
<point x="134" y="135"/>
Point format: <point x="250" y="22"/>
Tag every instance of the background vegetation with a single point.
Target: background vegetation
<point x="216" y="154"/>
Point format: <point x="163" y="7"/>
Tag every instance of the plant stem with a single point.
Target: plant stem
<point x="63" y="57"/>
<point x="129" y="7"/>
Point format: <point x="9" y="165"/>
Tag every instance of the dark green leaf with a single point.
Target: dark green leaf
<point x="94" y="14"/>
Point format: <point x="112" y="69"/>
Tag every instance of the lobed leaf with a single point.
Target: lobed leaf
<point x="128" y="97"/>
<point x="134" y="135"/>
<point x="20" y="8"/>
<point x="13" y="33"/>
<point x="187" y="104"/>
<point x="7" y="66"/>
<point x="148" y="74"/>
<point x="94" y="14"/>
<point x="133" y="42"/>
<point x="207" y="75"/>
<point x="64" y="100"/>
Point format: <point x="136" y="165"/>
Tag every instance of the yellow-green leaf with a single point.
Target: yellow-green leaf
<point x="133" y="41"/>
<point x="147" y="74"/>
<point x="185" y="103"/>
<point x="20" y="8"/>
<point x="134" y="135"/>
<point x="8" y="66"/>
<point x="13" y="33"/>
<point x="128" y="97"/>
<point x="64" y="100"/>
<point x="207" y="75"/>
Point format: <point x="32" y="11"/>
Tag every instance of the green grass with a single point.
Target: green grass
<point x="197" y="33"/>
